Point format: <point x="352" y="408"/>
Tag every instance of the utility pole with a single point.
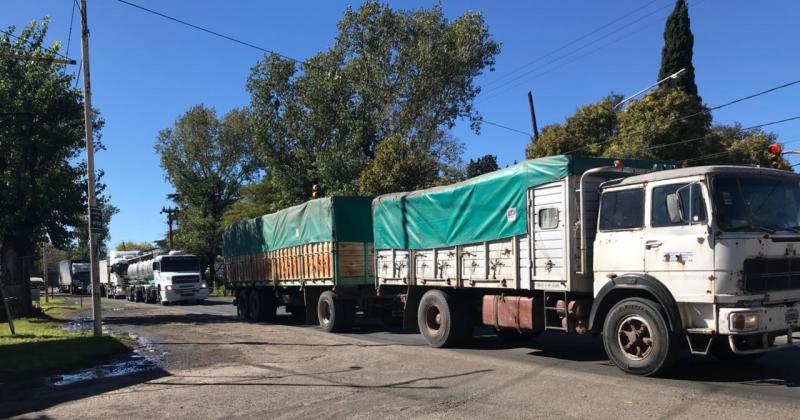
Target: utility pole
<point x="170" y="212"/>
<point x="44" y="271"/>
<point x="533" y="118"/>
<point x="93" y="211"/>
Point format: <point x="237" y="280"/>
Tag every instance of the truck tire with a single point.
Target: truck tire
<point x="334" y="314"/>
<point x="261" y="306"/>
<point x="637" y="339"/>
<point x="241" y="304"/>
<point x="442" y="322"/>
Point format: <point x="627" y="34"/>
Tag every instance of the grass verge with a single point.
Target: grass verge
<point x="41" y="345"/>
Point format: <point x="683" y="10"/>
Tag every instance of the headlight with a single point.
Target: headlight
<point x="169" y="288"/>
<point x="203" y="286"/>
<point x="743" y="321"/>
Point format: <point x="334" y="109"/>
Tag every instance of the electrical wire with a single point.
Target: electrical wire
<point x="209" y="31"/>
<point x="507" y="128"/>
<point x="29" y="43"/>
<point x="71" y="19"/>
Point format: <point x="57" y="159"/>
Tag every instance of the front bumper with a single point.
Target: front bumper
<point x="772" y="322"/>
<point x="182" y="295"/>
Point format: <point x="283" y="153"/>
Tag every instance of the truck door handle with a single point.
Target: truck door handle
<point x="652" y="244"/>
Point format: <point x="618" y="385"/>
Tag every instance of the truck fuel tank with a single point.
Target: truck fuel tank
<point x="515" y="312"/>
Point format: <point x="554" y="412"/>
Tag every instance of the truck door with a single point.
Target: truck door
<point x="678" y="251"/>
<point x="548" y="227"/>
<point x="619" y="245"/>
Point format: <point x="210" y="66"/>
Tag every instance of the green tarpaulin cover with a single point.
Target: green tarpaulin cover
<point x="484" y="208"/>
<point x="345" y="219"/>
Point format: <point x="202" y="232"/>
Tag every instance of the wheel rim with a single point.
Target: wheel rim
<point x="433" y="319"/>
<point x="325" y="312"/>
<point x="635" y="338"/>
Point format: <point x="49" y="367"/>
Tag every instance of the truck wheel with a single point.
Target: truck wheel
<point x="261" y="306"/>
<point x="440" y="321"/>
<point x="721" y="349"/>
<point x="241" y="304"/>
<point x="334" y="314"/>
<point x="637" y="339"/>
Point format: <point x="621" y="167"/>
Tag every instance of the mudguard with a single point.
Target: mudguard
<point x="636" y="282"/>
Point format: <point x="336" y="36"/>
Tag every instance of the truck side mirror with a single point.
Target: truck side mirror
<point x="674" y="208"/>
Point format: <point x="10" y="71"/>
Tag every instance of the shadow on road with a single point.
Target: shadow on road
<point x="17" y="400"/>
<point x="779" y="368"/>
<point x="187" y="318"/>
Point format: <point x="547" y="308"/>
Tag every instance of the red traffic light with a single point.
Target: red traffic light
<point x="775" y="149"/>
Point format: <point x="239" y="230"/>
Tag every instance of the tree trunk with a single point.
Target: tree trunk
<point x="212" y="272"/>
<point x="16" y="281"/>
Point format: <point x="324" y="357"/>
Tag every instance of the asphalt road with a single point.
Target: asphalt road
<point x="206" y="357"/>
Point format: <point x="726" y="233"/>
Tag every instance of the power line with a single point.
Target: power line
<point x="71" y="19"/>
<point x="200" y="28"/>
<point x="574" y="41"/>
<point x="685" y="117"/>
<point x="29" y="43"/>
<point x="507" y="128"/>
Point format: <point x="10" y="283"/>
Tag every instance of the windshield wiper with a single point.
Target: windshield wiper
<point x="795" y="229"/>
<point x="751" y="227"/>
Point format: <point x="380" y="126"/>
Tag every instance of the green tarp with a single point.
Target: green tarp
<point x="345" y="219"/>
<point x="487" y="207"/>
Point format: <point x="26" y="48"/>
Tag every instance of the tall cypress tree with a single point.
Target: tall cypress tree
<point x="677" y="51"/>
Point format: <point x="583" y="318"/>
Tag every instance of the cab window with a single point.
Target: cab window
<point x="691" y="201"/>
<point x="622" y="210"/>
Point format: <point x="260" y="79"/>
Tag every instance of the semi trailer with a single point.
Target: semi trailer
<point x="652" y="258"/>
<point x="165" y="277"/>
<point x="315" y="259"/>
<point x="73" y="276"/>
<point x="114" y="273"/>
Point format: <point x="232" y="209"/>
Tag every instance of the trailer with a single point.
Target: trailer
<point x="73" y="276"/>
<point x="315" y="259"/>
<point x="165" y="277"/>
<point x="653" y="260"/>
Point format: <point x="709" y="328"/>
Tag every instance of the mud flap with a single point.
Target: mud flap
<point x="311" y="298"/>
<point x="411" y="306"/>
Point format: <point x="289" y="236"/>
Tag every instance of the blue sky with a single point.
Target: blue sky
<point x="146" y="70"/>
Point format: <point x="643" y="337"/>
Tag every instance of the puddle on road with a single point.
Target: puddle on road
<point x="132" y="365"/>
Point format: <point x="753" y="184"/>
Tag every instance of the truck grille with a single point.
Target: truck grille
<point x="188" y="279"/>
<point x="771" y="274"/>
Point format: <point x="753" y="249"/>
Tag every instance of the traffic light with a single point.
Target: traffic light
<point x="775" y="155"/>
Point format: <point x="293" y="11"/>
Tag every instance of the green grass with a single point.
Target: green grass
<point x="219" y="291"/>
<point x="41" y="346"/>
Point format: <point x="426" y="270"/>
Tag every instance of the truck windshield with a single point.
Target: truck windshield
<point x="180" y="265"/>
<point x="120" y="268"/>
<point x="757" y="203"/>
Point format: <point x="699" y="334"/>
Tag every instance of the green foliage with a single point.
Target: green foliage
<point x="590" y="130"/>
<point x="391" y="75"/>
<point x="206" y="160"/>
<point x="257" y="199"/>
<point x="133" y="246"/>
<point x="677" y="51"/>
<point x="482" y="165"/>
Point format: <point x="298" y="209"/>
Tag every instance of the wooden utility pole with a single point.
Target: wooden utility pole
<point x="170" y="218"/>
<point x="44" y="270"/>
<point x="533" y="117"/>
<point x="93" y="211"/>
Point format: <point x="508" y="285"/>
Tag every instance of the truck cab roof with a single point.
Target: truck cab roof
<point x="699" y="170"/>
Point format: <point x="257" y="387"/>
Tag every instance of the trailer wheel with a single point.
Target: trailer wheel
<point x="440" y="321"/>
<point x="241" y="305"/>
<point x="261" y="306"/>
<point x="334" y="314"/>
<point x="637" y="339"/>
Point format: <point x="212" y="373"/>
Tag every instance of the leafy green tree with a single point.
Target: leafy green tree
<point x="659" y="126"/>
<point x="677" y="51"/>
<point x="133" y="246"/>
<point x="206" y="160"/>
<point x="740" y="147"/>
<point x="590" y="131"/>
<point x="482" y="165"/>
<point x="42" y="140"/>
<point x="257" y="199"/>
<point x="391" y="74"/>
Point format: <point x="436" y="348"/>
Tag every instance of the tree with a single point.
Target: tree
<point x="590" y="131"/>
<point x="391" y="74"/>
<point x="133" y="246"/>
<point x="677" y="51"/>
<point x="42" y="139"/>
<point x="666" y="124"/>
<point x="257" y="199"/>
<point x="206" y="160"/>
<point x="483" y="165"/>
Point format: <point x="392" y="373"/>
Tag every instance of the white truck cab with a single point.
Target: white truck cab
<point x="166" y="278"/>
<point x="717" y="248"/>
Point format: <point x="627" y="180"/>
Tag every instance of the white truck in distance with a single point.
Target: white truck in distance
<point x="114" y="273"/>
<point x="165" y="277"/>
